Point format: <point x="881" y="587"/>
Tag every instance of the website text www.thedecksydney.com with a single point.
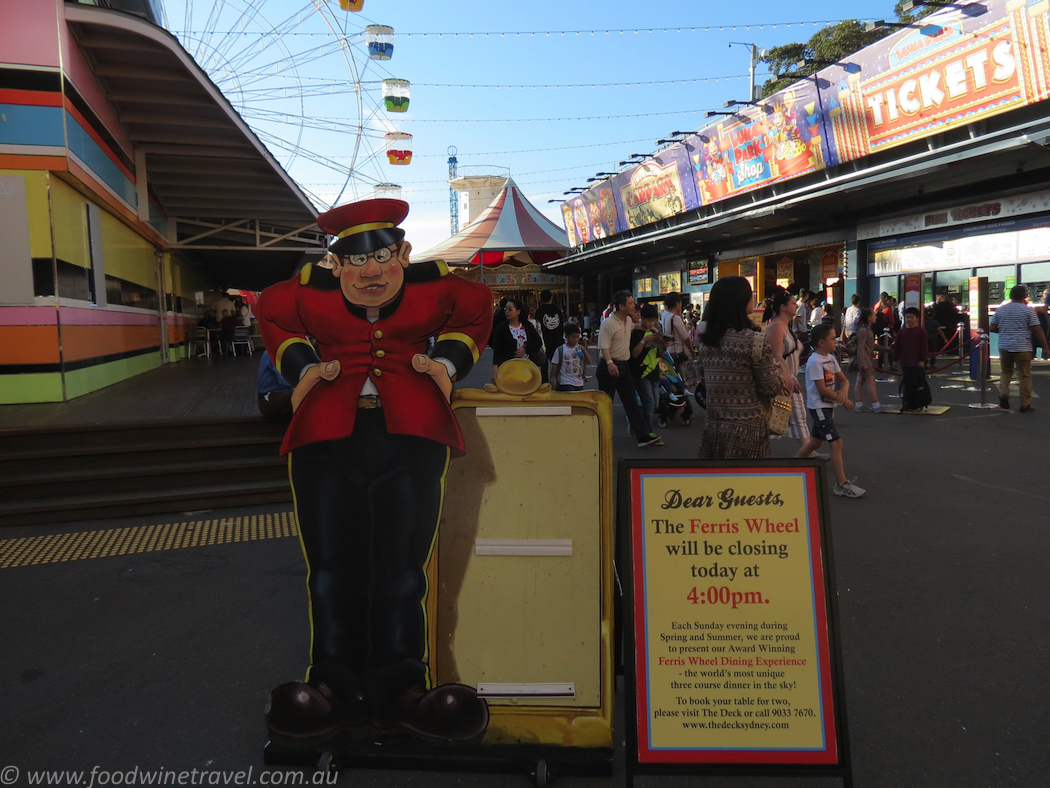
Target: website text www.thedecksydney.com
<point x="731" y="647"/>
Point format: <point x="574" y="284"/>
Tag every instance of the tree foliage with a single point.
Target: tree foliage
<point x="829" y="44"/>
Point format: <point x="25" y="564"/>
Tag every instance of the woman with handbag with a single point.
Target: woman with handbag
<point x="514" y="338"/>
<point x="738" y="368"/>
<point x="781" y="309"/>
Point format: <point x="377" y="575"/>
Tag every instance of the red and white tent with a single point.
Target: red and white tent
<point x="511" y="228"/>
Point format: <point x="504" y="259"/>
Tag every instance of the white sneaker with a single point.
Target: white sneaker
<point x="878" y="408"/>
<point x="863" y="408"/>
<point x="848" y="490"/>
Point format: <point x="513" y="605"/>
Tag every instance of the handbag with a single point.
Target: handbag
<point x="851" y="344"/>
<point x="687" y="370"/>
<point x="777" y="410"/>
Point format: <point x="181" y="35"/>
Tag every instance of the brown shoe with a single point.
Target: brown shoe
<point x="451" y="712"/>
<point x="1027" y="409"/>
<point x="304" y="713"/>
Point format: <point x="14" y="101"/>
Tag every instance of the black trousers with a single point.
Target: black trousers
<point x="368" y="508"/>
<point x="623" y="384"/>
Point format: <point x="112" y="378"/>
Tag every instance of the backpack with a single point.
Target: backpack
<point x="851" y="344"/>
<point x="914" y="390"/>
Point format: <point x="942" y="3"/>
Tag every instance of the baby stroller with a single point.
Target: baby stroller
<point x="673" y="402"/>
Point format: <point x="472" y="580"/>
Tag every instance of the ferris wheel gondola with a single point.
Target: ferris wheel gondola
<point x="387" y="191"/>
<point x="380" y="41"/>
<point x="398" y="147"/>
<point x="396" y="94"/>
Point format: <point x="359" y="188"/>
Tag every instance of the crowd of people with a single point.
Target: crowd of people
<point x="722" y="358"/>
<point x="652" y="360"/>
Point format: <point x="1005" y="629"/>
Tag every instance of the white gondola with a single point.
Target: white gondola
<point x="387" y="191"/>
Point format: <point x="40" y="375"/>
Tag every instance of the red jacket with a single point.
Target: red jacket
<point x="430" y="304"/>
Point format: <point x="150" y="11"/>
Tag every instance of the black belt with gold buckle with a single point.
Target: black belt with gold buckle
<point x="369" y="401"/>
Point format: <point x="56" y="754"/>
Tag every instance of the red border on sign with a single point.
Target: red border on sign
<point x="830" y="753"/>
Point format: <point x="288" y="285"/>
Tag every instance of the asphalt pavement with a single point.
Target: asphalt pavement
<point x="164" y="659"/>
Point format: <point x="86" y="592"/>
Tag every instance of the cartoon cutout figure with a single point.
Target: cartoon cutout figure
<point x="570" y="227"/>
<point x="714" y="173"/>
<point x="605" y="199"/>
<point x="583" y="231"/>
<point x="789" y="152"/>
<point x="595" y="214"/>
<point x="369" y="445"/>
<point x="717" y="168"/>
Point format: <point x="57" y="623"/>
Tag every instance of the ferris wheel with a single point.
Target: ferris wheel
<point x="312" y="80"/>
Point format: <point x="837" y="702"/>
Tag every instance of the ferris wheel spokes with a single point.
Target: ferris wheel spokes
<point x="281" y="70"/>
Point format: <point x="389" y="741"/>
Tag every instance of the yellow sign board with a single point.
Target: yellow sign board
<point x="732" y="620"/>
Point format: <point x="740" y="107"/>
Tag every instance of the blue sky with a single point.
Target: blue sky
<point x="287" y="82"/>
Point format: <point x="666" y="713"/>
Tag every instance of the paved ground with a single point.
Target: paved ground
<point x="164" y="659"/>
<point x="220" y="387"/>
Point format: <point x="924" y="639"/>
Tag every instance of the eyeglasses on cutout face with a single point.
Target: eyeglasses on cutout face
<point x="381" y="255"/>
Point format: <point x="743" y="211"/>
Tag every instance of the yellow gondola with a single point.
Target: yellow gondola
<point x="398" y="147"/>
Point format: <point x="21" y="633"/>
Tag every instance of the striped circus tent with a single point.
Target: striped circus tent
<point x="510" y="229"/>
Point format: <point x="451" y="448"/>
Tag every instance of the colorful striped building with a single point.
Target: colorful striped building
<point x="128" y="188"/>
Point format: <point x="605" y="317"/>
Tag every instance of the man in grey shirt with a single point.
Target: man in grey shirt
<point x="1016" y="324"/>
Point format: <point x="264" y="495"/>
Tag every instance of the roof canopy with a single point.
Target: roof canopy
<point x="510" y="224"/>
<point x="237" y="213"/>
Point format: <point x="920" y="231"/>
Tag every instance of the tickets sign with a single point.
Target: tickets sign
<point x="731" y="615"/>
<point x="958" y="84"/>
<point x="965" y="62"/>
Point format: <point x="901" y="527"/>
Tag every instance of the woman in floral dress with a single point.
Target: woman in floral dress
<point x="735" y="427"/>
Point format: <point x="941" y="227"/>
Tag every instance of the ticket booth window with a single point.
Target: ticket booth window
<point x="887" y="284"/>
<point x="1000" y="279"/>
<point x="1037" y="277"/>
<point x="953" y="284"/>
